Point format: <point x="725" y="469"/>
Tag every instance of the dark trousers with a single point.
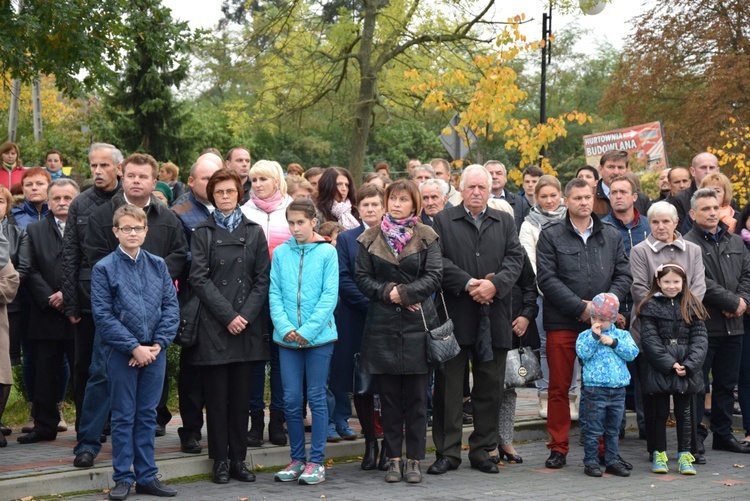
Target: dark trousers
<point x="163" y="416"/>
<point x="743" y="383"/>
<point x="683" y="413"/>
<point x="48" y="356"/>
<point x="84" y="335"/>
<point x="447" y="420"/>
<point x="723" y="361"/>
<point x="403" y="400"/>
<point x="227" y="391"/>
<point x="190" y="390"/>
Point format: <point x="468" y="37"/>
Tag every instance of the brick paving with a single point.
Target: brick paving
<point x="39" y="469"/>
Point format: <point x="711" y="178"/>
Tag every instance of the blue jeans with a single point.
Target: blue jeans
<point x="95" y="403"/>
<point x="135" y="395"/>
<point x="312" y="364"/>
<point x="259" y="384"/>
<point x="339" y="410"/>
<point x="601" y="413"/>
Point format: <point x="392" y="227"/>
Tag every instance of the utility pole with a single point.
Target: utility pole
<point x="15" y="91"/>
<point x="36" y="99"/>
<point x="546" y="60"/>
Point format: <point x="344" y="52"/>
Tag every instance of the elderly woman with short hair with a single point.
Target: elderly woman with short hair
<point x="664" y="244"/>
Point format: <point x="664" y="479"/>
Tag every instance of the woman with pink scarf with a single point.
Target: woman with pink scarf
<point x="336" y="198"/>
<point x="267" y="207"/>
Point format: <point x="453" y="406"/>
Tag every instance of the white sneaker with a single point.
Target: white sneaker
<point x="62" y="425"/>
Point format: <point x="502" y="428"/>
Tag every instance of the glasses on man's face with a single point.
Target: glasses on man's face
<point x="221" y="193"/>
<point x="131" y="229"/>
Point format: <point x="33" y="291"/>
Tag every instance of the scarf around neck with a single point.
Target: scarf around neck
<point x="397" y="232"/>
<point x="269" y="204"/>
<point x="229" y="222"/>
<point x="343" y="212"/>
<point x="542" y="218"/>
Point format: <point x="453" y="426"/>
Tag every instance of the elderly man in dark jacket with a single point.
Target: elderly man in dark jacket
<point x="578" y="257"/>
<point x="477" y="242"/>
<point x="104" y="161"/>
<point x="727" y="263"/>
<point x="49" y="330"/>
<point x="165" y="239"/>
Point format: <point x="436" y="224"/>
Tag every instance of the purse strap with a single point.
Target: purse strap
<point x="424" y="321"/>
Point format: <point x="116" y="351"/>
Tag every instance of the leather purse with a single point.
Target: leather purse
<point x="441" y="342"/>
<point x="187" y="332"/>
<point x="363" y="383"/>
<point x="521" y="367"/>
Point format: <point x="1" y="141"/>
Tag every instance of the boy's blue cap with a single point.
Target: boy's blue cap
<point x="605" y="305"/>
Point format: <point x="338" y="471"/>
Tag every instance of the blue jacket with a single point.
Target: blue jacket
<point x="190" y="212"/>
<point x="632" y="234"/>
<point x="133" y="301"/>
<point x="604" y="365"/>
<point x="26" y="213"/>
<point x="304" y="291"/>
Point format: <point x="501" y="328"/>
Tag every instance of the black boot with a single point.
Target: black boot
<point x="255" y="433"/>
<point x="370" y="459"/>
<point x="220" y="472"/>
<point x="276" y="433"/>
<point x="383" y="463"/>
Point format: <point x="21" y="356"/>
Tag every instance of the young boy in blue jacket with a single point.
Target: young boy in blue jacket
<point x="135" y="310"/>
<point x="604" y="350"/>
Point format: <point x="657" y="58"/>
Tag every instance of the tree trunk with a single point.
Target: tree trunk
<point x="366" y="95"/>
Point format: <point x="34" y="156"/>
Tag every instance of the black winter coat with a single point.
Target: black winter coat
<point x="666" y="339"/>
<point x="230" y="273"/>
<point x="395" y="340"/>
<point x="76" y="266"/>
<point x="20" y="255"/>
<point x="570" y="271"/>
<point x="727" y="266"/>
<point x="45" y="278"/>
<point x="524" y="305"/>
<point x="165" y="237"/>
<point x="469" y="253"/>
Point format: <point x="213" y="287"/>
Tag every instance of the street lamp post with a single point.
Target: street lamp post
<point x="546" y="59"/>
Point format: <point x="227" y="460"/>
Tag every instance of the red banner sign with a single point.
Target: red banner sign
<point x="644" y="142"/>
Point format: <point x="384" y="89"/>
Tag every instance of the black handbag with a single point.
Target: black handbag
<point x="187" y="333"/>
<point x="441" y="342"/>
<point x="363" y="383"/>
<point x="521" y="367"/>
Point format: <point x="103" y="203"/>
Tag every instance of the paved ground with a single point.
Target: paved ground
<point x="46" y="468"/>
<point x="719" y="479"/>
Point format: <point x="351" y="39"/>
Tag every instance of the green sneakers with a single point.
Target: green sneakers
<point x="685" y="461"/>
<point x="660" y="462"/>
<point x="291" y="472"/>
<point x="314" y="474"/>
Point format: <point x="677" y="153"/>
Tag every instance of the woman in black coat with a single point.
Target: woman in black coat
<point x="230" y="275"/>
<point x="525" y="309"/>
<point x="399" y="268"/>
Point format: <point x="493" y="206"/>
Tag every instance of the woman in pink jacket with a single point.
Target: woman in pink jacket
<point x="267" y="207"/>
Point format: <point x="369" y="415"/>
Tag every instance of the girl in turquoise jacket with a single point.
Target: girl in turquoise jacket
<point x="303" y="295"/>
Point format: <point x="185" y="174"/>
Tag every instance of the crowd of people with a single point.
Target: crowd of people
<point x="329" y="291"/>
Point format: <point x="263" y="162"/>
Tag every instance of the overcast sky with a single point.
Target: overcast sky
<point x="611" y="25"/>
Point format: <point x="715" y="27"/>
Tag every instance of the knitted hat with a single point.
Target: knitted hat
<point x="166" y="190"/>
<point x="605" y="305"/>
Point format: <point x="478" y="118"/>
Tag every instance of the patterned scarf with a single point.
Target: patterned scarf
<point x="397" y="232"/>
<point x="343" y="212"/>
<point x="55" y="175"/>
<point x="270" y="204"/>
<point x="230" y="222"/>
<point x="542" y="218"/>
